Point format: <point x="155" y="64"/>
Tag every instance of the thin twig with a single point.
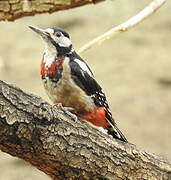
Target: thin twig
<point x="147" y="11"/>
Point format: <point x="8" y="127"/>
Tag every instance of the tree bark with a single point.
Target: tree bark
<point x="65" y="147"/>
<point x="14" y="9"/>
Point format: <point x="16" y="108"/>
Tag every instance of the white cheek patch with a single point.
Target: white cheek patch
<point x="64" y="41"/>
<point x="83" y="66"/>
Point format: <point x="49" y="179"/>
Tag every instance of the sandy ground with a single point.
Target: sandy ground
<point x="133" y="69"/>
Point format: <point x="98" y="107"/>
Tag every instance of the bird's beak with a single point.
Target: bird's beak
<point x="40" y="31"/>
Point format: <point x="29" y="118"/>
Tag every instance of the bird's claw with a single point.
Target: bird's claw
<point x="67" y="110"/>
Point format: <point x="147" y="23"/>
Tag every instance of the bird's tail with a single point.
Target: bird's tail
<point x="116" y="133"/>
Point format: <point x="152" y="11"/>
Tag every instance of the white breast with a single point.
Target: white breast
<point x="65" y="91"/>
<point x="49" y="55"/>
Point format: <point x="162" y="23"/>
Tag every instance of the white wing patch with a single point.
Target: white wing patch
<point x="83" y="66"/>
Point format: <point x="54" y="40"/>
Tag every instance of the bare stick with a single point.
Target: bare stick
<point x="150" y="9"/>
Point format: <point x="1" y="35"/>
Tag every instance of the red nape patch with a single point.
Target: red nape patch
<point x="97" y="118"/>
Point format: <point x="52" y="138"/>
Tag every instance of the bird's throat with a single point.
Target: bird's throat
<point x="49" y="56"/>
<point x="51" y="67"/>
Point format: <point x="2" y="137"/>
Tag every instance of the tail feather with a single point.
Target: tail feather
<point x="116" y="133"/>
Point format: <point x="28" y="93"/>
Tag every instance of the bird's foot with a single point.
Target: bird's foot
<point x="67" y="110"/>
<point x="61" y="107"/>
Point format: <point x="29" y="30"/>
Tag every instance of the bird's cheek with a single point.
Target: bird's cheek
<point x="65" y="42"/>
<point x="56" y="39"/>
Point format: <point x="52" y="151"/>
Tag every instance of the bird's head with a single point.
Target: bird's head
<point x="57" y="41"/>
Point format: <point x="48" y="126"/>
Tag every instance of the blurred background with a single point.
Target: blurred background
<point x="133" y="68"/>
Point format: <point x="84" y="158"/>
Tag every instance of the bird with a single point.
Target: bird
<point x="68" y="80"/>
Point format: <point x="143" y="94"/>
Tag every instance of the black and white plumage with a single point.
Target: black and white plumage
<point x="69" y="80"/>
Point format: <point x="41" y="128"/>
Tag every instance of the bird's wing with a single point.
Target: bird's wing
<point x="84" y="78"/>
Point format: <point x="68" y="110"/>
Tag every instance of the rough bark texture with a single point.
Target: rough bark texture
<point x="14" y="9"/>
<point x="65" y="147"/>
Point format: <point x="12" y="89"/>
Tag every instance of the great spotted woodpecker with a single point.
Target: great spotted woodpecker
<point x="68" y="80"/>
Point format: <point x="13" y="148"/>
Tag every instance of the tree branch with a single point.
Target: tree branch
<point x="130" y="23"/>
<point x="65" y="147"/>
<point x="14" y="9"/>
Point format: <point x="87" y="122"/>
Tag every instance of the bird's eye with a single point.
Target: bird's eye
<point x="58" y="34"/>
